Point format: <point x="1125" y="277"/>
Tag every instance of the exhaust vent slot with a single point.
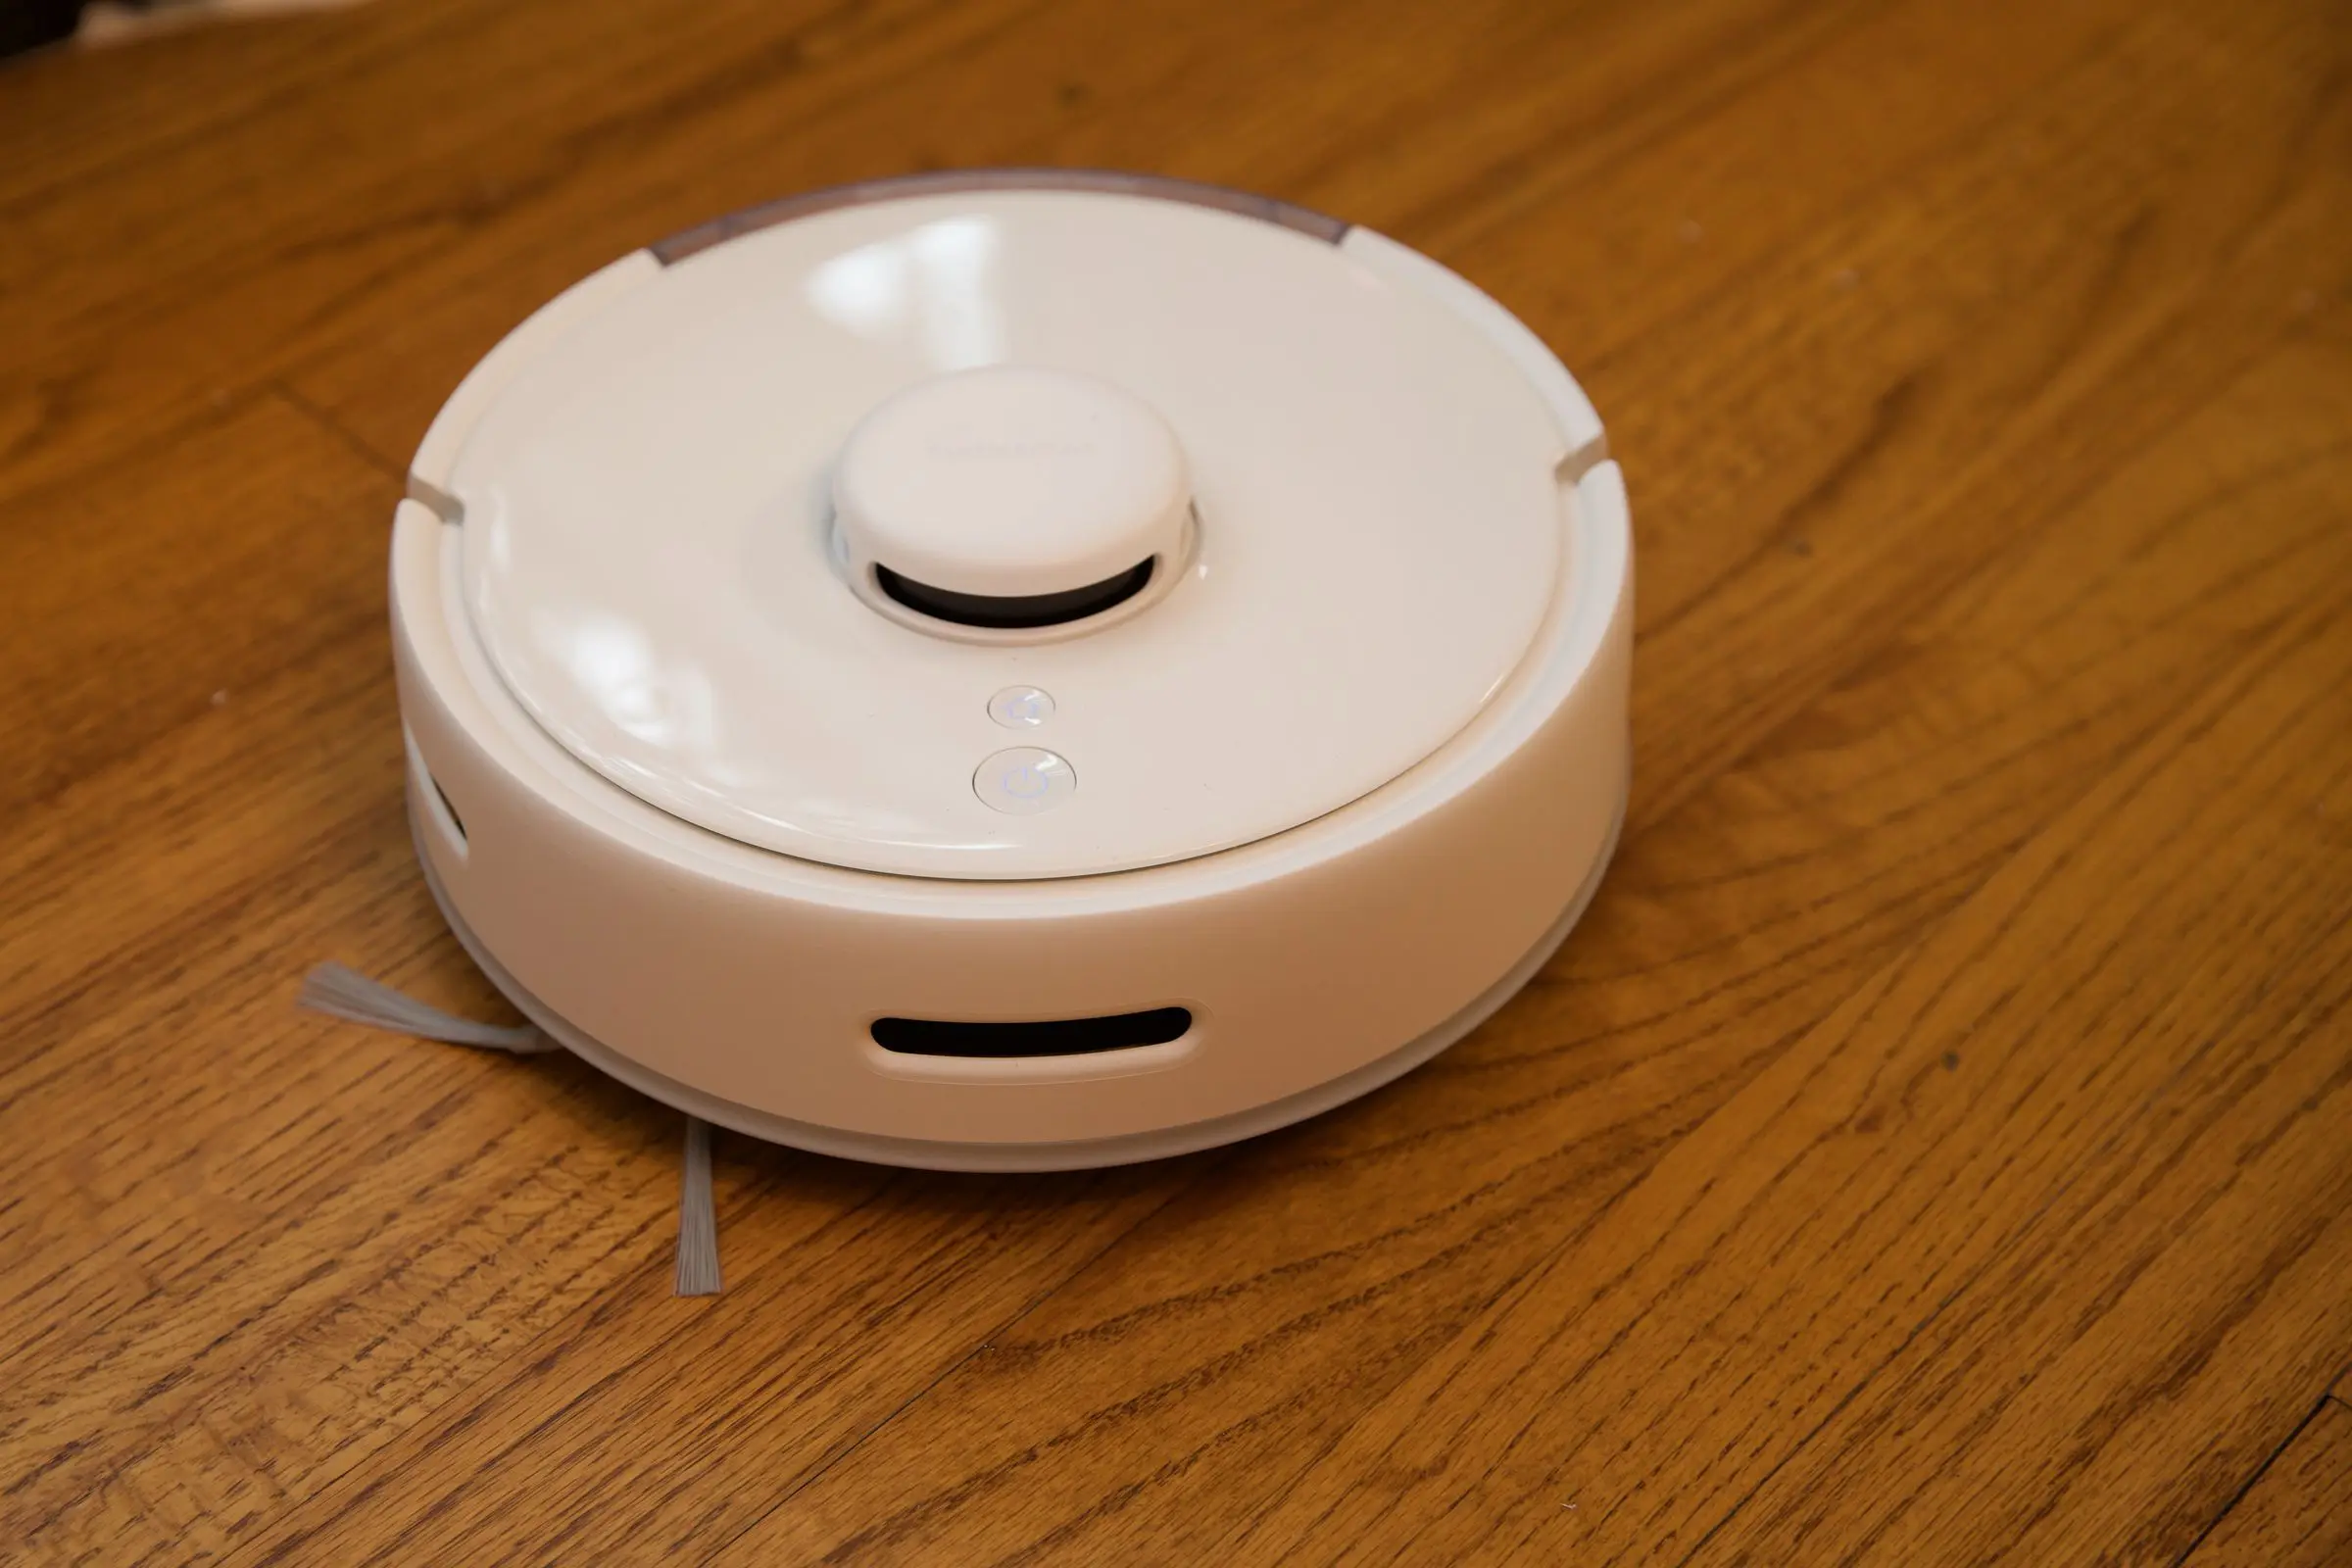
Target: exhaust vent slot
<point x="1020" y="614"/>
<point x="456" y="823"/>
<point x="1049" y="1037"/>
<point x="430" y="802"/>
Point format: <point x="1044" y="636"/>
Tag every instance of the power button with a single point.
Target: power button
<point x="1023" y="780"/>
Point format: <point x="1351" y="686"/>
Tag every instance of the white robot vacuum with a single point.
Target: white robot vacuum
<point x="1014" y="670"/>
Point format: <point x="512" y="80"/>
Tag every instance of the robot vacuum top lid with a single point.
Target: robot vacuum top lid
<point x="1010" y="533"/>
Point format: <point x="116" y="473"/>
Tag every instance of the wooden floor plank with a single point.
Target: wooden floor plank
<point x="2189" y="1264"/>
<point x="57" y="136"/>
<point x="2298" y="1514"/>
<point x="333" y="185"/>
<point x="122" y="626"/>
<point x="1987" y="374"/>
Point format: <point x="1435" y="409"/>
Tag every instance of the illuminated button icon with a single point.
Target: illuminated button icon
<point x="1024" y="780"/>
<point x="1020" y="707"/>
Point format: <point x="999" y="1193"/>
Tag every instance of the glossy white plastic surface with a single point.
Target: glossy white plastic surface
<point x="648" y="559"/>
<point x="753" y="977"/>
<point x="1318" y="961"/>
<point x="1077" y="1153"/>
<point x="1011" y="481"/>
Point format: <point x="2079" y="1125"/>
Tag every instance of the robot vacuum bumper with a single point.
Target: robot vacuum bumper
<point x="1014" y="672"/>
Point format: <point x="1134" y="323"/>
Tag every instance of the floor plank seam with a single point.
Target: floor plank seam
<point x="2253" y="1480"/>
<point x="305" y="408"/>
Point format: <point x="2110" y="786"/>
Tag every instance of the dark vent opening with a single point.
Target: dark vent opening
<point x="1000" y="612"/>
<point x="1051" y="1037"/>
<point x="451" y="811"/>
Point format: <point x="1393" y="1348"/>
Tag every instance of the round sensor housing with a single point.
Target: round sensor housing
<point x="1011" y="498"/>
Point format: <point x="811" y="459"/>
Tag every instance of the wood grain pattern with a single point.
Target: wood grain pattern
<point x="1932" y="1148"/>
<point x="2298" y="1514"/>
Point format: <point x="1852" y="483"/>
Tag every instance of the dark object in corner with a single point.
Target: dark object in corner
<point x="29" y="24"/>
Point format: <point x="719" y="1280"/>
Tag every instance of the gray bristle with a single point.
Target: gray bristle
<point x="344" y="992"/>
<point x="697" y="1217"/>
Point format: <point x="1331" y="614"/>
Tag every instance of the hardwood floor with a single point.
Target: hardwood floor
<point x="2298" y="1512"/>
<point x="1936" y="1145"/>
